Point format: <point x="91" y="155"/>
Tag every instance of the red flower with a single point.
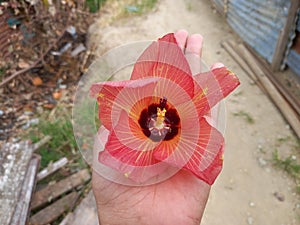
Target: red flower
<point x="158" y="118"/>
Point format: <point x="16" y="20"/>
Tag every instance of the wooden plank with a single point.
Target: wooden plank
<point x="85" y="213"/>
<point x="283" y="106"/>
<point x="51" y="168"/>
<point x="22" y="209"/>
<point x="15" y="158"/>
<point x="42" y="142"/>
<point x="294" y="102"/>
<point x="56" y="209"/>
<point x="284" y="36"/>
<point x="53" y="191"/>
<point x="220" y="9"/>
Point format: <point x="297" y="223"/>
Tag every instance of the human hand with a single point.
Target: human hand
<point x="180" y="199"/>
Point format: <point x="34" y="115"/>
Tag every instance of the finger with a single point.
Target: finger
<point x="193" y="52"/>
<point x="194" y="44"/>
<point x="181" y="38"/>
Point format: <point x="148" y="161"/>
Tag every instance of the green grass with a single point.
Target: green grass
<point x="290" y="165"/>
<point x="94" y="5"/>
<point x="139" y="7"/>
<point x="147" y="4"/>
<point x="283" y="139"/>
<point x="238" y="93"/>
<point x="62" y="144"/>
<point x="2" y="72"/>
<point x="248" y="118"/>
<point x="189" y="6"/>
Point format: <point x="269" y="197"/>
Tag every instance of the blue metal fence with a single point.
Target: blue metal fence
<point x="293" y="59"/>
<point x="259" y="23"/>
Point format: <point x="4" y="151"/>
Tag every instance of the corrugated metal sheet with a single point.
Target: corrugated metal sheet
<point x="259" y="23"/>
<point x="293" y="58"/>
<point x="293" y="61"/>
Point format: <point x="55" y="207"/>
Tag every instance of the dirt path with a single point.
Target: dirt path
<point x="249" y="190"/>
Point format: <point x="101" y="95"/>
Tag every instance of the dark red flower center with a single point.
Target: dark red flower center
<point x="159" y="121"/>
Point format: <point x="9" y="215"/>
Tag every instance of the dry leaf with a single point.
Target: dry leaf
<point x="57" y="95"/>
<point x="49" y="106"/>
<point x="23" y="65"/>
<point x="37" y="81"/>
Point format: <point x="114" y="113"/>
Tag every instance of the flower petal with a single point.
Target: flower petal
<point x="127" y="174"/>
<point x="199" y="151"/>
<point x="206" y="162"/>
<point x="169" y="38"/>
<point x="165" y="59"/>
<point x="211" y="87"/>
<point x="129" y="145"/>
<point x="173" y="91"/>
<point x="180" y="149"/>
<point x="114" y="96"/>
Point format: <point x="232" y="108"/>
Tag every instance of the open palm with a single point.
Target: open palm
<point x="180" y="199"/>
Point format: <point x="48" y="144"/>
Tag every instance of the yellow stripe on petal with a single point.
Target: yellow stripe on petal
<point x="101" y="95"/>
<point x="201" y="94"/>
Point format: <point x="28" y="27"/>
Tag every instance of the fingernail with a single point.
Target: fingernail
<point x="181" y="36"/>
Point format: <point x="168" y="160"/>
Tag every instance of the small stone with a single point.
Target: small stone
<point x="15" y="140"/>
<point x="39" y="109"/>
<point x="34" y="121"/>
<point x="279" y="196"/>
<point x="268" y="170"/>
<point x="251" y="204"/>
<point x="259" y="147"/>
<point x="1" y="113"/>
<point x="26" y="126"/>
<point x="28" y="113"/>
<point x="250" y="220"/>
<point x="62" y="86"/>
<point x="71" y="30"/>
<point x="293" y="157"/>
<point x="262" y="162"/>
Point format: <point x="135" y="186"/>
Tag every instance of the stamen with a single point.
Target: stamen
<point x="160" y="115"/>
<point x="159" y="121"/>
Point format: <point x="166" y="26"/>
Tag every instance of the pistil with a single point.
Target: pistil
<point x="159" y="121"/>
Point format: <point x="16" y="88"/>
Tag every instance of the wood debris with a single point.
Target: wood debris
<point x="46" y="53"/>
<point x="51" y="168"/>
<point x="51" y="192"/>
<point x="54" y="210"/>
